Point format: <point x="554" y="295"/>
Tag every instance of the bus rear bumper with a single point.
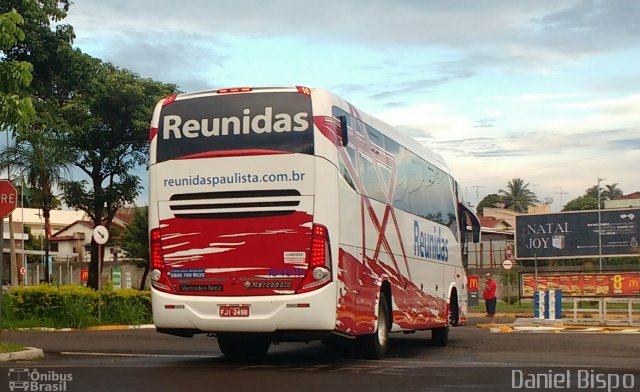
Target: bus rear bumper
<point x="313" y="311"/>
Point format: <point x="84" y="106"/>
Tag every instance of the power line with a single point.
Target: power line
<point x="550" y="166"/>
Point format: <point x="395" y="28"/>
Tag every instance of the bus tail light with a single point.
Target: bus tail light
<point x="234" y="90"/>
<point x="159" y="278"/>
<point x="304" y="90"/>
<point x="319" y="271"/>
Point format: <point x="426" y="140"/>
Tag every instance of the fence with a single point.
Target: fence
<point x="489" y="253"/>
<point x="604" y="314"/>
<point x="68" y="272"/>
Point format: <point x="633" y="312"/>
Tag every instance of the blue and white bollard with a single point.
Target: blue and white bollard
<point x="554" y="305"/>
<point x="547" y="305"/>
<point x="538" y="305"/>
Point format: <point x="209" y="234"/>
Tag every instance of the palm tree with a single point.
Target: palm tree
<point x="42" y="161"/>
<point x="612" y="192"/>
<point x="593" y="192"/>
<point x="518" y="197"/>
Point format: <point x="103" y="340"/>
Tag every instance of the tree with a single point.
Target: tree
<point x="44" y="163"/>
<point x="16" y="109"/>
<point x="135" y="240"/>
<point x="581" y="203"/>
<point x="518" y="197"/>
<point x="612" y="192"/>
<point x="32" y="197"/>
<point x="593" y="192"/>
<point x="108" y="122"/>
<point x="489" y="201"/>
<point x="99" y="112"/>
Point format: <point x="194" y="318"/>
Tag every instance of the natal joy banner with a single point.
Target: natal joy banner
<point x="584" y="284"/>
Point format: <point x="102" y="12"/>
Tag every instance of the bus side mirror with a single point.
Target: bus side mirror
<point x="344" y="130"/>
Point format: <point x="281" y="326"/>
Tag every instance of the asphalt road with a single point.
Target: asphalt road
<point x="475" y="360"/>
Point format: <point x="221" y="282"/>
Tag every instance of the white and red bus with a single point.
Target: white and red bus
<point x="286" y="214"/>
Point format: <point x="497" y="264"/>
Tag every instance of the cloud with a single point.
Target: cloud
<point x="579" y="27"/>
<point x="507" y="35"/>
<point x="541" y="89"/>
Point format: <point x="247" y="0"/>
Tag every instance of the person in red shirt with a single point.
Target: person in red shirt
<point x="489" y="296"/>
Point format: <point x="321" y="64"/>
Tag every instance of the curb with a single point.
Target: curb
<point x="30" y="354"/>
<point x="94" y="328"/>
<point x="118" y="327"/>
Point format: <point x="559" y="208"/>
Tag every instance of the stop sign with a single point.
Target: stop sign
<point x="8" y="198"/>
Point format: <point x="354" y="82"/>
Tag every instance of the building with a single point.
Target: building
<point x="70" y="239"/>
<point x="626" y="201"/>
<point x="497" y="226"/>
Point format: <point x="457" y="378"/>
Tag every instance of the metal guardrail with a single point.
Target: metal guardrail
<point x="604" y="315"/>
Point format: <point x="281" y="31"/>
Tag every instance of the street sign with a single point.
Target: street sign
<point x="100" y="235"/>
<point x="8" y="198"/>
<point x="507" y="264"/>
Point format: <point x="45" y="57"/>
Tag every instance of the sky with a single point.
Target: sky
<point x="547" y="91"/>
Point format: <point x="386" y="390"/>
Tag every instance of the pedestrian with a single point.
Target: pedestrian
<point x="489" y="296"/>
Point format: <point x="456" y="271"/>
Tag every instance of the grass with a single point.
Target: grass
<point x="10" y="348"/>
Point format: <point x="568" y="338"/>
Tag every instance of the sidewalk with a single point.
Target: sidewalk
<point x="524" y="322"/>
<point x="30" y="354"/>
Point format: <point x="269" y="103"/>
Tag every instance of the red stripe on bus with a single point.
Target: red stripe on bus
<point x="232" y="153"/>
<point x="152" y="133"/>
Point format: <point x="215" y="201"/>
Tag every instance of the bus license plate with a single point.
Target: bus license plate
<point x="234" y="311"/>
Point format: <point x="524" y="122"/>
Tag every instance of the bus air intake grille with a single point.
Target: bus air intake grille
<point x="235" y="204"/>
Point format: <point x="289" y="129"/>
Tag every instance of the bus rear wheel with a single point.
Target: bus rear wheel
<point x="374" y="346"/>
<point x="243" y="345"/>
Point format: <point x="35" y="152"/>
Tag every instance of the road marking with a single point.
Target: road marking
<point x="565" y="329"/>
<point x="94" y="354"/>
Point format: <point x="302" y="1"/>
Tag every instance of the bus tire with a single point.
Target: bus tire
<point x="243" y="345"/>
<point x="374" y="346"/>
<point x="454" y="309"/>
<point x="440" y="336"/>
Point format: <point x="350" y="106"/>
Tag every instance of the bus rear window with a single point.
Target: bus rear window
<point x="279" y="122"/>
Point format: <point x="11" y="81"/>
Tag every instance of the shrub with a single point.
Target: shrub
<point x="126" y="306"/>
<point x="75" y="306"/>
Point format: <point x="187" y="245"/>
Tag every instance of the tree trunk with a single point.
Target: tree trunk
<point x="47" y="226"/>
<point x="143" y="281"/>
<point x="93" y="267"/>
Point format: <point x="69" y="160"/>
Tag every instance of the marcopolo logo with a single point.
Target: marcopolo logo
<point x="174" y="126"/>
<point x="32" y="380"/>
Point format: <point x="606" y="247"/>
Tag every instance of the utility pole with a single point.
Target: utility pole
<point x="13" y="264"/>
<point x="599" y="226"/>
<point x="477" y="197"/>
<point x="560" y="193"/>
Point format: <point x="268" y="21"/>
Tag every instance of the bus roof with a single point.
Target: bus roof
<point x="408" y="142"/>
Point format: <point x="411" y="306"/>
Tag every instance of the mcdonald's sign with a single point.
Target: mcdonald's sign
<point x="473" y="282"/>
<point x="84" y="275"/>
<point x="587" y="284"/>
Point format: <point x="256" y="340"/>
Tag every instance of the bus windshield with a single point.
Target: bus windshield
<point x="211" y="125"/>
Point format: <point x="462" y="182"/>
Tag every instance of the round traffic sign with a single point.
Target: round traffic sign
<point x="100" y="235"/>
<point x="22" y="271"/>
<point x="507" y="264"/>
<point x="8" y="198"/>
